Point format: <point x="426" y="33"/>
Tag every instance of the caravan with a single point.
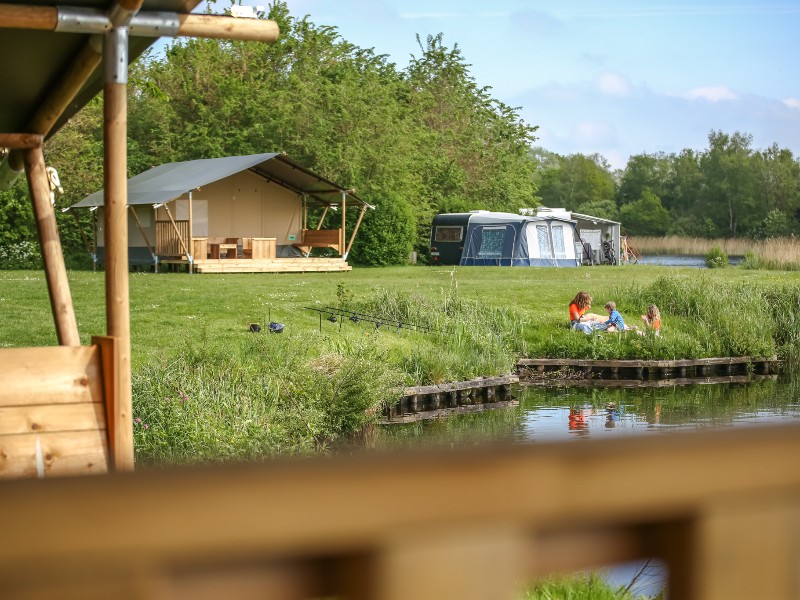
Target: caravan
<point x="483" y="238"/>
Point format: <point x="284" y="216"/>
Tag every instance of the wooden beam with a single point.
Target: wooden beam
<point x="229" y="28"/>
<point x="322" y="218"/>
<point x="20" y="141"/>
<point x="15" y="16"/>
<point x="52" y="256"/>
<point x="355" y="230"/>
<point x="344" y="225"/>
<point x="141" y="230"/>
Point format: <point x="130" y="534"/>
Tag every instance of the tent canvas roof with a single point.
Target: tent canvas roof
<point x="32" y="63"/>
<point x="172" y="180"/>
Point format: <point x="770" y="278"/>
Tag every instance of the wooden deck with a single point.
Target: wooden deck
<point x="276" y="265"/>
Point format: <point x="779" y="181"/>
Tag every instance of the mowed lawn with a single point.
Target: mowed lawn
<point x="171" y="310"/>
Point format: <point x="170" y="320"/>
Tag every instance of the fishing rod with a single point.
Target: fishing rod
<point x="340" y="314"/>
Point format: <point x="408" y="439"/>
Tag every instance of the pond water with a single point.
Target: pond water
<point x="579" y="413"/>
<point x="576" y="413"/>
<point x="682" y="260"/>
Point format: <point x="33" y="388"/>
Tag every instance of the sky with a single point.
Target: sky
<point x="615" y="78"/>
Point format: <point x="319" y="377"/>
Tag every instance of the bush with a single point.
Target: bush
<point x="387" y="234"/>
<point x="716" y="258"/>
<point x="21" y="255"/>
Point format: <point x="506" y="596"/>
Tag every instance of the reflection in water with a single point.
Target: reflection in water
<point x="549" y="414"/>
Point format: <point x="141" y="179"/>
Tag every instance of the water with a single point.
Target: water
<point x="682" y="260"/>
<point x="579" y="413"/>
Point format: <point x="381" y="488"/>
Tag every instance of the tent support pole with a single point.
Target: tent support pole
<point x="115" y="167"/>
<point x="141" y="230"/>
<point x="52" y="256"/>
<point x="342" y="252"/>
<point x="190" y="236"/>
<point x="355" y="231"/>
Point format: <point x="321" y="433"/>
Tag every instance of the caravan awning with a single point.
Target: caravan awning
<point x="166" y="182"/>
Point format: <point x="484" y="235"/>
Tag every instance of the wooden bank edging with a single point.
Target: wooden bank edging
<point x="650" y="369"/>
<point x="433" y="401"/>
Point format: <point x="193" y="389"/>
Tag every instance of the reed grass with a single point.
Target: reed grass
<point x="590" y="586"/>
<point x="778" y="254"/>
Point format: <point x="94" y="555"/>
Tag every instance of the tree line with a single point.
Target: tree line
<point x="413" y="141"/>
<point x="728" y="190"/>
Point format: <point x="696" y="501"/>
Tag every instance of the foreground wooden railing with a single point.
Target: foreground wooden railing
<point x="722" y="508"/>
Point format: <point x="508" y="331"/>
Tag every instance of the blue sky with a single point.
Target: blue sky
<point x="616" y="78"/>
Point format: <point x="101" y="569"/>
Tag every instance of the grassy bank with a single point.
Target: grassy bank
<point x="778" y="254"/>
<point x="207" y="388"/>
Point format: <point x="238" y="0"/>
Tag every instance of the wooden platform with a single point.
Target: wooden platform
<point x="276" y="265"/>
<point x="648" y="369"/>
<point x="432" y="401"/>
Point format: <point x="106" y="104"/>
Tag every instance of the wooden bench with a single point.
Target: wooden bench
<point x="321" y="238"/>
<point x="54" y="406"/>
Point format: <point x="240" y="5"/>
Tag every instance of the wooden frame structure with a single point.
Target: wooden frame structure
<point x="69" y="408"/>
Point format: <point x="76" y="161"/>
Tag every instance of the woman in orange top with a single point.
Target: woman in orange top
<point x="578" y="317"/>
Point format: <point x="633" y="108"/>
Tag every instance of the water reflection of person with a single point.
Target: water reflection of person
<point x="577" y="421"/>
<point x="612" y="416"/>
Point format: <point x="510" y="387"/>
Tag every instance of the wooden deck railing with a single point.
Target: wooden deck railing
<point x="167" y="241"/>
<point x="721" y="508"/>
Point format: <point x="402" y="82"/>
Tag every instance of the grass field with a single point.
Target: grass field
<point x="205" y="388"/>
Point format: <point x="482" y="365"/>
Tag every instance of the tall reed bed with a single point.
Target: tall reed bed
<point x="774" y="254"/>
<point x="258" y="395"/>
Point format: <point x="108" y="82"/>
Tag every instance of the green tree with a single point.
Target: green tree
<point x="645" y="216"/>
<point x="387" y="233"/>
<point x="577" y="180"/>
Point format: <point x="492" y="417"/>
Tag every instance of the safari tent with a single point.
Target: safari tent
<point x="482" y="238"/>
<point x="235" y="214"/>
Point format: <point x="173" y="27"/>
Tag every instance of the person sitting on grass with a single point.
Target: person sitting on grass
<point x="615" y="321"/>
<point x="578" y="317"/>
<point x="652" y="320"/>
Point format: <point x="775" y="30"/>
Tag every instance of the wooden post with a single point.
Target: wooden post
<point x="115" y="165"/>
<point x="342" y="235"/>
<point x="52" y="256"/>
<point x="191" y="244"/>
<point x="355" y="231"/>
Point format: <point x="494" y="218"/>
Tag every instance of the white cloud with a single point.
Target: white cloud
<point x="592" y="132"/>
<point x="613" y="84"/>
<point x="792" y="102"/>
<point x="710" y="93"/>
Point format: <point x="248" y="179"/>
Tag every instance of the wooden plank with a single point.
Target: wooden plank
<point x="46" y="418"/>
<point x="464" y="561"/>
<point x="50" y="375"/>
<point x="633" y="363"/>
<point x="63" y="453"/>
<point x="425" y="415"/>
